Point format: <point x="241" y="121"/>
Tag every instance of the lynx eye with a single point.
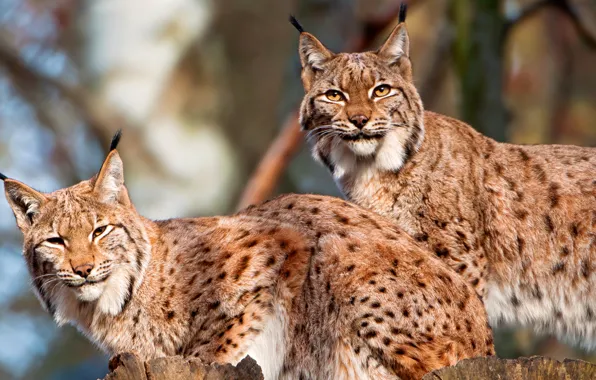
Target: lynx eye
<point x="55" y="240"/>
<point x="382" y="90"/>
<point x="99" y="231"/>
<point x="334" y="96"/>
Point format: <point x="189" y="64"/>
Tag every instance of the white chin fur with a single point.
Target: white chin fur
<point x="392" y="155"/>
<point x="363" y="148"/>
<point x="89" y="292"/>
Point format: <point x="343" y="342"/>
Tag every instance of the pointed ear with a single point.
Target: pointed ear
<point x="312" y="52"/>
<point x="109" y="183"/>
<point x="397" y="45"/>
<point x="24" y="201"/>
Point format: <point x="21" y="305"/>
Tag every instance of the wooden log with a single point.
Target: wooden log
<point x="127" y="366"/>
<point x="533" y="368"/>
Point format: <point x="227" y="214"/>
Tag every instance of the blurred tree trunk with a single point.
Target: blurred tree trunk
<point x="256" y="39"/>
<point x="478" y="54"/>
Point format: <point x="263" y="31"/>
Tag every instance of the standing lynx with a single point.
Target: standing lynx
<point x="516" y="222"/>
<point x="310" y="287"/>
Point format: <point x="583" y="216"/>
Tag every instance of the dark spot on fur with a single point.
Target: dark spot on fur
<point x="586" y="268"/>
<point x="270" y="261"/>
<point x="441" y="251"/>
<point x="550" y="227"/>
<point x="539" y="172"/>
<point x="521" y="214"/>
<point x="564" y="251"/>
<point x="242" y="266"/>
<point x="524" y="156"/>
<point x="553" y="194"/>
<point x="574" y="229"/>
<point x="515" y="301"/>
<point x="520" y="244"/>
<point x="558" y="267"/>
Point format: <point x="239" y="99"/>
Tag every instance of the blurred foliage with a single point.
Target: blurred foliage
<point x="201" y="88"/>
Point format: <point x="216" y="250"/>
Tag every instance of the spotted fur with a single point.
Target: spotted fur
<point x="312" y="287"/>
<point x="518" y="223"/>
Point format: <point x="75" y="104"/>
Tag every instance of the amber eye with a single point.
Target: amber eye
<point x="334" y="96"/>
<point x="99" y="230"/>
<point x="382" y="90"/>
<point x="56" y="241"/>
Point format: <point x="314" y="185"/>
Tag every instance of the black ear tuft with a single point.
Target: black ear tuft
<point x="3" y="177"/>
<point x="403" y="11"/>
<point x="115" y="140"/>
<point x="296" y="24"/>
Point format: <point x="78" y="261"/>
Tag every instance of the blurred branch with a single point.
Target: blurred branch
<point x="49" y="116"/>
<point x="103" y="121"/>
<point x="580" y="20"/>
<point x="287" y="143"/>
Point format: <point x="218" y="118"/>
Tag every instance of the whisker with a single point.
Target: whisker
<point x="43" y="275"/>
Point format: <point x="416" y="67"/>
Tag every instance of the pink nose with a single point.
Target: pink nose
<point x="83" y="270"/>
<point x="359" y="121"/>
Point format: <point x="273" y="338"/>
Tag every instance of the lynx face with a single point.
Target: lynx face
<point x="85" y="243"/>
<point x="360" y="107"/>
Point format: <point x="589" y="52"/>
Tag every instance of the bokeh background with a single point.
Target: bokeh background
<point x="202" y="88"/>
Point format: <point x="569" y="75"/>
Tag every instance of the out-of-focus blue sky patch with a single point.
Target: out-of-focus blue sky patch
<point x="13" y="275"/>
<point x="29" y="338"/>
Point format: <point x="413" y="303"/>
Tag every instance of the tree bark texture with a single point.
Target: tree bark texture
<point x="128" y="366"/>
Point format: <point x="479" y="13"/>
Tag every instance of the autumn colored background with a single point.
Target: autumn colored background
<point x="202" y="88"/>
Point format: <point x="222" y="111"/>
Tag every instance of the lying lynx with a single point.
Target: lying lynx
<point x="309" y="286"/>
<point x="516" y="222"/>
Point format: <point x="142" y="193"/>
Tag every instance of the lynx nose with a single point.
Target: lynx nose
<point x="359" y="121"/>
<point x="83" y="270"/>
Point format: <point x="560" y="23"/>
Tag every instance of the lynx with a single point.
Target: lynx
<point x="309" y="286"/>
<point x="517" y="222"/>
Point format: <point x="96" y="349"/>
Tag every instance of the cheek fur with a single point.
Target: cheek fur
<point x="316" y="113"/>
<point x="46" y="260"/>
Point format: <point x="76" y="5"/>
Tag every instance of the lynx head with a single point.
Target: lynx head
<point x="361" y="108"/>
<point x="84" y="244"/>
